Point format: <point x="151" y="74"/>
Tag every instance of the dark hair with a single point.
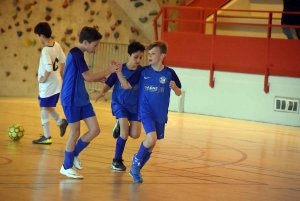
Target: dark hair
<point x="135" y="47"/>
<point x="90" y="34"/>
<point x="43" y="28"/>
<point x="161" y="45"/>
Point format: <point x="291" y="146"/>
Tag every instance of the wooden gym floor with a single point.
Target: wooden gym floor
<point x="201" y="158"/>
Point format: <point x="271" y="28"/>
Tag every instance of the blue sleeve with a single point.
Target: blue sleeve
<point x="80" y="62"/>
<point x="111" y="80"/>
<point x="135" y="77"/>
<point x="176" y="79"/>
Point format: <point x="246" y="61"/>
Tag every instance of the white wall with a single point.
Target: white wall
<point x="236" y="95"/>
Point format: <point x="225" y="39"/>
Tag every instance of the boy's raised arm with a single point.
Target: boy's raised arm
<point x="125" y="84"/>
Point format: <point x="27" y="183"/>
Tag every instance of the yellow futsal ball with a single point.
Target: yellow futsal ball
<point x="16" y="132"/>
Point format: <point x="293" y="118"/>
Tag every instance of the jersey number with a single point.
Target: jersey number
<point x="55" y="65"/>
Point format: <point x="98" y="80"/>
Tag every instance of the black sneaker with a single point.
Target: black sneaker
<point x="63" y="127"/>
<point x="43" y="140"/>
<point x="118" y="165"/>
<point x="116" y="130"/>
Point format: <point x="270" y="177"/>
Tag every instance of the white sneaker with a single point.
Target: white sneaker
<point x="71" y="172"/>
<point x="77" y="163"/>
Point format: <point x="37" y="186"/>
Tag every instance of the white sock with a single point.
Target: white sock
<point x="45" y="122"/>
<point x="56" y="117"/>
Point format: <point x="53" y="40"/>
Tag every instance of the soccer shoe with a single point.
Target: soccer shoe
<point x="140" y="168"/>
<point x="136" y="177"/>
<point x="71" y="172"/>
<point x="116" y="130"/>
<point x="77" y="163"/>
<point x="63" y="127"/>
<point x="118" y="165"/>
<point x="43" y="140"/>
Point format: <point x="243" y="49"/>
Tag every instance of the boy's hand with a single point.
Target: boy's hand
<point x="100" y="96"/>
<point x="102" y="79"/>
<point x="115" y="67"/>
<point x="173" y="85"/>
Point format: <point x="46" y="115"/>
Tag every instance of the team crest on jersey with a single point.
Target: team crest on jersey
<point x="162" y="79"/>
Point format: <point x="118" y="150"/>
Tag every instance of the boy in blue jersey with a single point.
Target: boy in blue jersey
<point x="75" y="99"/>
<point x="52" y="63"/>
<point x="124" y="104"/>
<point x="155" y="84"/>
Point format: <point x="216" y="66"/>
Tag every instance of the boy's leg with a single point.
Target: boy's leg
<point x="135" y="129"/>
<point x="62" y="123"/>
<point x="45" y="138"/>
<point x="67" y="168"/>
<point x="117" y="163"/>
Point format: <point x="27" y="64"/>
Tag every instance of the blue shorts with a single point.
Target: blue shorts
<point x="124" y="113"/>
<point x="75" y="114"/>
<point x="150" y="126"/>
<point x="49" y="101"/>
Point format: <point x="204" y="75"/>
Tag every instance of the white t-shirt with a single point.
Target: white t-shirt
<point x="50" y="58"/>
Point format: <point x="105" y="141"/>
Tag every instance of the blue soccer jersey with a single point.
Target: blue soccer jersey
<point x="123" y="99"/>
<point x="73" y="92"/>
<point x="154" y="92"/>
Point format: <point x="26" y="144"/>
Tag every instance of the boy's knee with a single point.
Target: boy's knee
<point x="135" y="135"/>
<point x="151" y="142"/>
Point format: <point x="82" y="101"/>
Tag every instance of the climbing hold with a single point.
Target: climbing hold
<point x="91" y="20"/>
<point x="27" y="42"/>
<point x="137" y="4"/>
<point x="48" y="17"/>
<point x="93" y="1"/>
<point x="131" y="41"/>
<point x="28" y="6"/>
<point x="39" y="49"/>
<point x="65" y="4"/>
<point x="28" y="14"/>
<point x="25" y="67"/>
<point x="36" y="74"/>
<point x="113" y="27"/>
<point x="63" y="39"/>
<point x="17" y="24"/>
<point x="7" y="73"/>
<point x="154" y="12"/>
<point x="29" y="29"/>
<point x="92" y="12"/>
<point x="106" y="34"/>
<point x="2" y="30"/>
<point x="15" y="16"/>
<point x="108" y="14"/>
<point x="9" y="27"/>
<point x="18" y="8"/>
<point x="52" y="24"/>
<point x="5" y="47"/>
<point x="118" y="22"/>
<point x="116" y="35"/>
<point x="34" y="42"/>
<point x="52" y="37"/>
<point x="58" y="18"/>
<point x="67" y="44"/>
<point x="24" y="80"/>
<point x="86" y="4"/>
<point x="116" y="47"/>
<point x="15" y="54"/>
<point x="97" y="13"/>
<point x="143" y="19"/>
<point x="48" y="9"/>
<point x="69" y="31"/>
<point x="73" y="38"/>
<point x="25" y="21"/>
<point x="134" y="30"/>
<point x="19" y="33"/>
<point x="104" y="1"/>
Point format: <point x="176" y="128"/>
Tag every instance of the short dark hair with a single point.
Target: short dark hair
<point x="162" y="46"/>
<point x="43" y="28"/>
<point x="135" y="47"/>
<point x="90" y="34"/>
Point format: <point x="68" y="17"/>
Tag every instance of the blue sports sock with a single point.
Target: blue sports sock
<point x="69" y="159"/>
<point x="80" y="146"/>
<point x="146" y="158"/>
<point x="120" y="145"/>
<point x="142" y="151"/>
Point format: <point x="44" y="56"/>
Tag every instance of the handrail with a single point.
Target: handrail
<point x="251" y="17"/>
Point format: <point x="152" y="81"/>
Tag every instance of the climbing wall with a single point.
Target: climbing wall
<point x="20" y="51"/>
